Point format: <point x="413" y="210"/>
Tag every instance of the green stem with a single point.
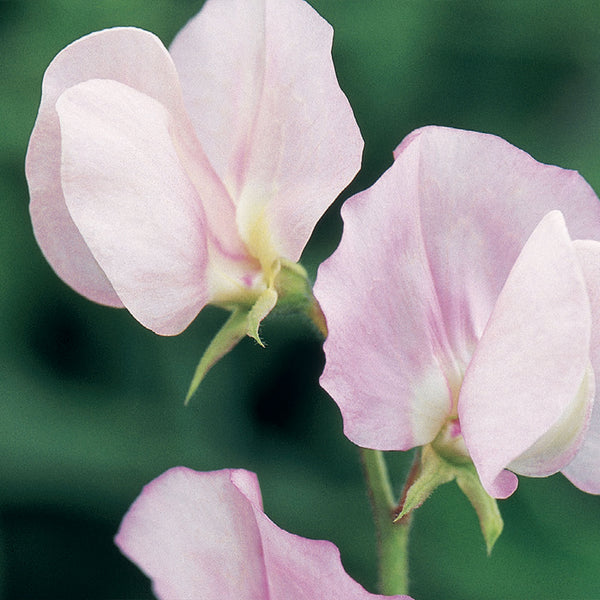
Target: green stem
<point x="392" y="538"/>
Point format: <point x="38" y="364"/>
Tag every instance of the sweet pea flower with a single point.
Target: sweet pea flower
<point x="205" y="536"/>
<point x="165" y="180"/>
<point x="463" y="308"/>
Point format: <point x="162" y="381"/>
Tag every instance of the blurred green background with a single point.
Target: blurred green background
<point x="91" y="403"/>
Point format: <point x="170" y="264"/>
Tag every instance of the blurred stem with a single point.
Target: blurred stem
<point x="392" y="538"/>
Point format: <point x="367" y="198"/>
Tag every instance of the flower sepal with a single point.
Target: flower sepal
<point x="234" y="329"/>
<point x="296" y="295"/>
<point x="434" y="470"/>
<point x="485" y="506"/>
<point x="244" y="320"/>
<point x="289" y="290"/>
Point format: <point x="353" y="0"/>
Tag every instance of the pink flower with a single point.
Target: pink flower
<point x="462" y="315"/>
<point x="165" y="181"/>
<point x="205" y="536"/>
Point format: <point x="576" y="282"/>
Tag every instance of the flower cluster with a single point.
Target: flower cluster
<point x="474" y="325"/>
<point x="162" y="181"/>
<point x="462" y="305"/>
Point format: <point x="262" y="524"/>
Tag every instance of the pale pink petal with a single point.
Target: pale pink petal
<point x="584" y="470"/>
<point x="247" y="483"/>
<point x="423" y="257"/>
<point x="384" y="337"/>
<point x="303" y="569"/>
<point x="259" y="82"/>
<point x="480" y="199"/>
<point x="133" y="203"/>
<point x="135" y="58"/>
<point x="204" y="536"/>
<point x="195" y="535"/>
<point x="559" y="444"/>
<point x="530" y="363"/>
<point x="220" y="56"/>
<point x="101" y="54"/>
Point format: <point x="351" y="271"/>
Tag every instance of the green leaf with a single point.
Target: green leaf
<point x="485" y="506"/>
<point x="234" y="329"/>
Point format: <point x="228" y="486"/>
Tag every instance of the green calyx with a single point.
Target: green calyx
<point x="289" y="289"/>
<point x="435" y="470"/>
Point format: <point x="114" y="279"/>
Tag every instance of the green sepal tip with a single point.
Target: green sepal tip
<point x="243" y="321"/>
<point x="262" y="307"/>
<point x="435" y="470"/>
<point x="486" y="507"/>
<point x="289" y="290"/>
<point x="234" y="329"/>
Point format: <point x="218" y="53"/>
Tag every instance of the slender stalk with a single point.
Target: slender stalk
<point x="392" y="538"/>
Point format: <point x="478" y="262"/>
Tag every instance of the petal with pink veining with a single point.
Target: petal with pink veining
<point x="530" y="365"/>
<point x="195" y="535"/>
<point x="133" y="203"/>
<point x="584" y="469"/>
<point x="204" y="535"/>
<point x="135" y="58"/>
<point x="271" y="115"/>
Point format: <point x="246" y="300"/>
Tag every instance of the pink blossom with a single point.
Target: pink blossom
<point x="461" y="314"/>
<point x="205" y="536"/>
<point x="163" y="181"/>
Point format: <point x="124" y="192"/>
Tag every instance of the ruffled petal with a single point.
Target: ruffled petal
<point x="424" y="254"/>
<point x="132" y="201"/>
<point x="103" y="55"/>
<point x="519" y="398"/>
<point x="384" y="348"/>
<point x="480" y="200"/>
<point x="259" y="82"/>
<point x="139" y="60"/>
<point x="303" y="569"/>
<point x="195" y="535"/>
<point x="204" y="535"/>
<point x="584" y="469"/>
